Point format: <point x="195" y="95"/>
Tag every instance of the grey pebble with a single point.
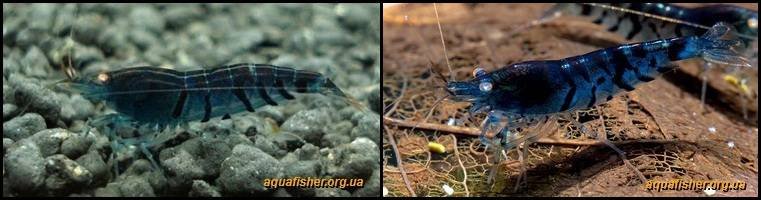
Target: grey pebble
<point x="136" y="187"/>
<point x="271" y="112"/>
<point x="206" y="154"/>
<point x="368" y="126"/>
<point x="281" y="192"/>
<point x="354" y="160"/>
<point x="355" y="16"/>
<point x="181" y="15"/>
<point x="183" y="168"/>
<point x="243" y="40"/>
<point x="269" y="146"/>
<point x="304" y="162"/>
<point x="307" y="124"/>
<point x="111" y="190"/>
<point x="94" y="163"/>
<point x="245" y="170"/>
<point x="9" y="111"/>
<point x="114" y="40"/>
<point x="335" y="139"/>
<point x="250" y="125"/>
<point x="24" y="167"/>
<point x="203" y="189"/>
<point x="372" y="187"/>
<point x="49" y="140"/>
<point x="29" y="37"/>
<point x="286" y="140"/>
<point x="139" y="180"/>
<point x="76" y="145"/>
<point x="7" y="90"/>
<point x="373" y="99"/>
<point x="7" y="142"/>
<point x="38" y="98"/>
<point x="65" y="173"/>
<point x="331" y="192"/>
<point x="24" y="126"/>
<point x="35" y="64"/>
<point x="143" y="39"/>
<point x="77" y="108"/>
<point x="146" y="17"/>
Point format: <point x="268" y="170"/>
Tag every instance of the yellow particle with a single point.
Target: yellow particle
<point x="731" y="80"/>
<point x="737" y="83"/>
<point x="436" y="147"/>
<point x="745" y="89"/>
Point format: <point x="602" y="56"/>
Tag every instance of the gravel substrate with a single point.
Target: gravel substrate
<point x="49" y="151"/>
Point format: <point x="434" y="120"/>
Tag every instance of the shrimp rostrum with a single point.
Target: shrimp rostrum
<point x="527" y="91"/>
<point x="156" y="98"/>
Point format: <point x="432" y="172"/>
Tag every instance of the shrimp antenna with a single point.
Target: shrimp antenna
<point x="441" y="34"/>
<point x="659" y="17"/>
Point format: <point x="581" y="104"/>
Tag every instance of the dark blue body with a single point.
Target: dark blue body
<point x="644" y="28"/>
<point x="551" y="86"/>
<point x="163" y="96"/>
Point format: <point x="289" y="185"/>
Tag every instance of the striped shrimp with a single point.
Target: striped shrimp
<point x="156" y="98"/>
<point x="651" y="21"/>
<point x="534" y="91"/>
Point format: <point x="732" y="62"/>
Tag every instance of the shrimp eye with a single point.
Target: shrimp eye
<point x="485" y="86"/>
<point x="478" y="72"/>
<point x="753" y="23"/>
<point x="485" y="83"/>
<point x="103" y="78"/>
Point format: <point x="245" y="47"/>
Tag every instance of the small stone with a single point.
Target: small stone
<point x="373" y="99"/>
<point x="371" y="186"/>
<point x="35" y="64"/>
<point x="357" y="159"/>
<point x="368" y="126"/>
<point x="203" y="189"/>
<point x="304" y="162"/>
<point x="65" y="173"/>
<point x="9" y="111"/>
<point x="267" y="145"/>
<point x="148" y="18"/>
<point x="111" y="190"/>
<point x="50" y="140"/>
<point x="136" y="186"/>
<point x="271" y="112"/>
<point x="334" y="140"/>
<point x="95" y="165"/>
<point x="307" y="124"/>
<point x="76" y="145"/>
<point x="36" y="98"/>
<point x="246" y="169"/>
<point x="24" y="126"/>
<point x="24" y="167"/>
<point x="331" y="192"/>
<point x="183" y="167"/>
<point x="7" y="142"/>
<point x="77" y="108"/>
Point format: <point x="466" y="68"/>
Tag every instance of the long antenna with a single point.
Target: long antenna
<point x="446" y="57"/>
<point x="668" y="19"/>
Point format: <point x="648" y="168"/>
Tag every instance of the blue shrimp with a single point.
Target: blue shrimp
<point x="651" y="21"/>
<point x="155" y="98"/>
<point x="538" y="90"/>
